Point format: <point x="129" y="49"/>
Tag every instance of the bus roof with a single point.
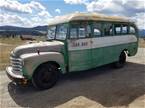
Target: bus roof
<point x="86" y="16"/>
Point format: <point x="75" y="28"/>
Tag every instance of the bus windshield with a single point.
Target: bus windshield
<point x="51" y="32"/>
<point x="58" y="32"/>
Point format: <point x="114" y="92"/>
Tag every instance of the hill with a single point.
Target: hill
<point x="35" y="31"/>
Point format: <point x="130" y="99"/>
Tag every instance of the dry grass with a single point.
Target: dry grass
<point x="6" y="46"/>
<point x="10" y="43"/>
<point x="142" y="43"/>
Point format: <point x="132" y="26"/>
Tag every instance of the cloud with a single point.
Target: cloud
<point x="58" y="10"/>
<point x="16" y="20"/>
<point x="15" y="6"/>
<point x="139" y="18"/>
<point x="75" y="1"/>
<point x="119" y="7"/>
<point x="134" y="9"/>
<point x="44" y="13"/>
<point x="105" y="6"/>
<point x="12" y="12"/>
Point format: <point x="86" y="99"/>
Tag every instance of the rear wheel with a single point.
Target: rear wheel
<point x="45" y="76"/>
<point x="122" y="60"/>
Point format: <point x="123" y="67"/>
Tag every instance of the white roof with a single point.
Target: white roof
<point x="86" y="16"/>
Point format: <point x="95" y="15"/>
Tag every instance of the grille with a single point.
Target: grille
<point x="16" y="64"/>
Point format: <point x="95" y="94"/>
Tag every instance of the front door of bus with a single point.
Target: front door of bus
<point x="79" y="47"/>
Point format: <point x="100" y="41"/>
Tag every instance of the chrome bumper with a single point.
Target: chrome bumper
<point x="18" y="78"/>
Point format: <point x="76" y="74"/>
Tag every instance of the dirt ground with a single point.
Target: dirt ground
<point x="97" y="88"/>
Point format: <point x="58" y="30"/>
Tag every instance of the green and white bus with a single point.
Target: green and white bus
<point x="76" y="42"/>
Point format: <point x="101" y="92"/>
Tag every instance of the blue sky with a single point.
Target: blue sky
<point x="29" y="13"/>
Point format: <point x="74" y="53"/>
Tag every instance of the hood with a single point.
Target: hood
<point x="54" y="46"/>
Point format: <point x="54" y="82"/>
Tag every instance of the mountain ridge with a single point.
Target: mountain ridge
<point x="38" y="30"/>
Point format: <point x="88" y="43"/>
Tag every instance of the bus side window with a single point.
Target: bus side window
<point x="131" y="30"/>
<point x="97" y="29"/>
<point x="117" y="29"/>
<point x="88" y="31"/>
<point x="82" y="32"/>
<point x="108" y="29"/>
<point x="97" y="32"/>
<point x="73" y="33"/>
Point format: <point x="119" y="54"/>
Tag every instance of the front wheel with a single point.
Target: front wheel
<point x="45" y="76"/>
<point x="122" y="60"/>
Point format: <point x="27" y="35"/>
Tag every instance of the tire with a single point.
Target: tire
<point x="45" y="76"/>
<point x="122" y="60"/>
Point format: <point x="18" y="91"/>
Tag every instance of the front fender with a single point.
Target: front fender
<point x="33" y="60"/>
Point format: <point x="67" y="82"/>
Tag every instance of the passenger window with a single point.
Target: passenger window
<point x="81" y="32"/>
<point x="97" y="32"/>
<point x="117" y="29"/>
<point x="88" y="31"/>
<point x="108" y="29"/>
<point x="97" y="29"/>
<point x="84" y="30"/>
<point x="132" y="30"/>
<point x="73" y="33"/>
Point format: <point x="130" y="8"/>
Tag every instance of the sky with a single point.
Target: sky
<point x="30" y="13"/>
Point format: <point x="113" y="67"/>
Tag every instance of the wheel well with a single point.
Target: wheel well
<point x="50" y="62"/>
<point x="54" y="63"/>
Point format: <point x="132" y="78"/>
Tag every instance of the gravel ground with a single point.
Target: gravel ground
<point x="97" y="88"/>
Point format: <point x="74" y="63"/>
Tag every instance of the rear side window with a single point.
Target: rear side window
<point x="131" y="30"/>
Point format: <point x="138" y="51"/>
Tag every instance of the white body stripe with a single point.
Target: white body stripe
<point x="87" y="43"/>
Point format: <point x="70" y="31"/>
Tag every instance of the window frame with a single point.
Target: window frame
<point x="92" y="22"/>
<point x="54" y="32"/>
<point x="101" y="29"/>
<point x="115" y="33"/>
<point x="105" y="22"/>
<point x="78" y="23"/>
<point x="127" y="32"/>
<point x="57" y="30"/>
<point x="135" y="30"/>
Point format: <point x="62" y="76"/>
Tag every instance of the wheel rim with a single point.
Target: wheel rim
<point x="46" y="76"/>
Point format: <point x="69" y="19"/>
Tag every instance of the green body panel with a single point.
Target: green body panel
<point x="91" y="58"/>
<point x="80" y="60"/>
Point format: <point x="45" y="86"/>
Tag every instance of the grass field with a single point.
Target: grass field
<point x="8" y="44"/>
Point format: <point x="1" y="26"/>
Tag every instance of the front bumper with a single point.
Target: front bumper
<point x="15" y="77"/>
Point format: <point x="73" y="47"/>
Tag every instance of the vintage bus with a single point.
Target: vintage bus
<point x="75" y="42"/>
